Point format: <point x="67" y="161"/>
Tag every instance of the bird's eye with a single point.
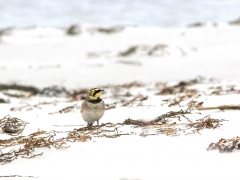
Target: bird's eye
<point x="97" y="92"/>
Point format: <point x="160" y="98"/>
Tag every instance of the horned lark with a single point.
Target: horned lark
<point x="93" y="107"/>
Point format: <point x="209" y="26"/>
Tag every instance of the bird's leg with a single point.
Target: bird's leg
<point x="98" y="122"/>
<point x="89" y="124"/>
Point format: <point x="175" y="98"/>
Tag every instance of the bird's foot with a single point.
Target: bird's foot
<point x="89" y="124"/>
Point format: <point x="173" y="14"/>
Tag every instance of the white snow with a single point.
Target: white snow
<point x="43" y="56"/>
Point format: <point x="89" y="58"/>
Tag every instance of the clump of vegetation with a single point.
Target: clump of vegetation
<point x="30" y="89"/>
<point x="225" y="145"/>
<point x="129" y="51"/>
<point x="12" y="125"/>
<point x="28" y="145"/>
<point x="73" y="30"/>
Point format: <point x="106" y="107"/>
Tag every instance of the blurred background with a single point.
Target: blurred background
<point x="66" y="41"/>
<point x="157" y="13"/>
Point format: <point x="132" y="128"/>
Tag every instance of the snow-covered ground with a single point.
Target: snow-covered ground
<point x="47" y="56"/>
<point x="164" y="64"/>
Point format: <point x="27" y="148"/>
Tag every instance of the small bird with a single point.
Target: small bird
<point x="93" y="107"/>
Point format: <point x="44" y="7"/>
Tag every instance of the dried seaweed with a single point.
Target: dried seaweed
<point x="108" y="130"/>
<point x="4" y="143"/>
<point x="110" y="106"/>
<point x="106" y="30"/>
<point x="18" y="95"/>
<point x="205" y="123"/>
<point x="7" y="157"/>
<point x="157" y="47"/>
<point x="6" y="31"/>
<point x="136" y="122"/>
<point x="29" y="107"/>
<point x="3" y="101"/>
<point x="171" y="114"/>
<point x="12" y="125"/>
<point x="73" y="30"/>
<point x="132" y="84"/>
<point x="172" y="123"/>
<point x="181" y="87"/>
<point x="222" y="90"/>
<point x="162" y="124"/>
<point x="223" y="107"/>
<point x="78" y="95"/>
<point x="225" y="145"/>
<point x="160" y="119"/>
<point x="235" y="22"/>
<point x="31" y="89"/>
<point x="28" y="144"/>
<point x="139" y="98"/>
<point x="131" y="50"/>
<point x="169" y="131"/>
<point x="110" y="30"/>
<point x="54" y="91"/>
<point x="195" y="104"/>
<point x="129" y="62"/>
<point x="165" y="124"/>
<point x="18" y="176"/>
<point x="176" y="100"/>
<point x="144" y="134"/>
<point x="76" y="136"/>
<point x="199" y="24"/>
<point x="67" y="109"/>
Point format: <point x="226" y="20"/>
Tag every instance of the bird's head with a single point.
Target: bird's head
<point x="94" y="94"/>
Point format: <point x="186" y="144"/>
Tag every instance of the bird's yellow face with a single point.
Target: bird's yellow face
<point x="95" y="93"/>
